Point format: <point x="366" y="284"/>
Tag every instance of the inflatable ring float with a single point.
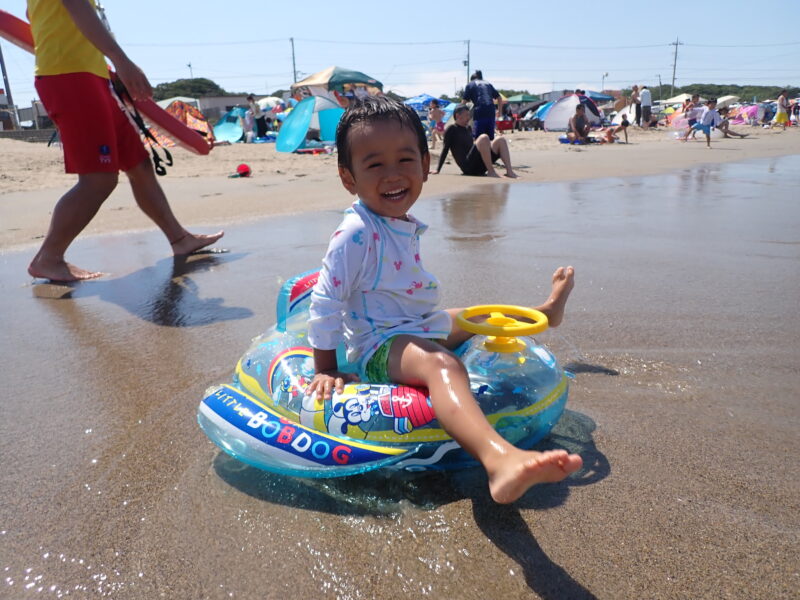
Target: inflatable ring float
<point x="263" y="418"/>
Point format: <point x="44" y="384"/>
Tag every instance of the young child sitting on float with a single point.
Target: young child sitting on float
<point x="374" y="293"/>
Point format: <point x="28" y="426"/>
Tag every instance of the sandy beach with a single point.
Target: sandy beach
<point x="682" y="333"/>
<point x="31" y="176"/>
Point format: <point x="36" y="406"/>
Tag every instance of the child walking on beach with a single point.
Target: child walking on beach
<point x="708" y="118"/>
<point x="374" y="293"/>
<point x="435" y="118"/>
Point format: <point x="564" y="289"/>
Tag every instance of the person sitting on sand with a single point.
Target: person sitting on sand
<point x="578" y="127"/>
<point x="98" y="139"/>
<point x="387" y="317"/>
<point x="725" y="125"/>
<point x="473" y="157"/>
<point x="611" y="132"/>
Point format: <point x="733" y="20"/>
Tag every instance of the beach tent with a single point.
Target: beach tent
<point x="599" y="96"/>
<point x="315" y="112"/>
<point x="230" y="127"/>
<point x="333" y="80"/>
<point x="188" y="115"/>
<point x="616" y="119"/>
<point x="541" y="112"/>
<point x="185" y="99"/>
<point x="744" y="115"/>
<point x="561" y="112"/>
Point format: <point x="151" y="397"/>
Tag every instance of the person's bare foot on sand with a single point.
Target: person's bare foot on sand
<point x="191" y="242"/>
<point x="510" y="174"/>
<point x="521" y="470"/>
<point x="563" y="282"/>
<point x="59" y="271"/>
<point x="492" y="173"/>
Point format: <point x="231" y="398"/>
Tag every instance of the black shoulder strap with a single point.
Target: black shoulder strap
<point x="133" y="113"/>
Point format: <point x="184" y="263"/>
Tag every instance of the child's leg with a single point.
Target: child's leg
<point x="708" y="140"/>
<point x="511" y="471"/>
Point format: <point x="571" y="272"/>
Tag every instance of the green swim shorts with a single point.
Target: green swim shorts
<point x="377" y="369"/>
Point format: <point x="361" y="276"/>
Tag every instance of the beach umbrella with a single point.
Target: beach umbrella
<point x="335" y="78"/>
<point x="421" y="102"/>
<point x="726" y="101"/>
<point x="269" y="102"/>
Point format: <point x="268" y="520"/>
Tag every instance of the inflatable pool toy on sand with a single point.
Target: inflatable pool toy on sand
<point x="264" y="419"/>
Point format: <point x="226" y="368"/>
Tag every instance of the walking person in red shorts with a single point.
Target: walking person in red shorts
<point x="99" y="141"/>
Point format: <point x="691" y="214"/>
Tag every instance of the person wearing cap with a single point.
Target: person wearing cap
<point x="98" y="140"/>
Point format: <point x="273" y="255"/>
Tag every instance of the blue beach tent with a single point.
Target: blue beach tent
<point x="314" y="112"/>
<point x="229" y="127"/>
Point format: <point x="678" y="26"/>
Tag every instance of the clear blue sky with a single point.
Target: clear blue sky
<point x="420" y="47"/>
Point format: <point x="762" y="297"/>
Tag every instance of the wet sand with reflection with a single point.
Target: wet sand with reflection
<point x="682" y="332"/>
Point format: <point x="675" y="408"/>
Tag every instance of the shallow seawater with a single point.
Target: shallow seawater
<point x="681" y="332"/>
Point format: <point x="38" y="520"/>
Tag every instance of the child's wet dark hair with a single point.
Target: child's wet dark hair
<point x="373" y="109"/>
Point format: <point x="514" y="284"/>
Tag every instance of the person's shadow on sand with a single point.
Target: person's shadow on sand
<point x="380" y="493"/>
<point x="163" y="294"/>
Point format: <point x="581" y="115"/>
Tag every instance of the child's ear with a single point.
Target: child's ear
<point x="426" y="166"/>
<point x="348" y="181"/>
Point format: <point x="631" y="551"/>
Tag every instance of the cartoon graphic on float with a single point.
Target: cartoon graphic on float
<point x="362" y="409"/>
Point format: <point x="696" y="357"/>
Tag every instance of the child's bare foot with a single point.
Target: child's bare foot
<point x="522" y="470"/>
<point x="59" y="271"/>
<point x="191" y="242"/>
<point x="563" y="282"/>
<point x="492" y="173"/>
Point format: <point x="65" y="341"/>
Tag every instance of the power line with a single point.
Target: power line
<point x="744" y="45"/>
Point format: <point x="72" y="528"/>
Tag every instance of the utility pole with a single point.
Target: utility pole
<point x="676" y="43"/>
<point x="466" y="62"/>
<point x="8" y="89"/>
<point x="659" y="87"/>
<point x="294" y="67"/>
<point x="191" y="73"/>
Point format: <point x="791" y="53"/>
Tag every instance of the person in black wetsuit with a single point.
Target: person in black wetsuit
<point x="473" y="157"/>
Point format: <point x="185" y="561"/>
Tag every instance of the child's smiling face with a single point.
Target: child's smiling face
<point x="388" y="169"/>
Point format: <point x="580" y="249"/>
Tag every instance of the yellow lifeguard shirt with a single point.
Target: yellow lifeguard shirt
<point x="59" y="45"/>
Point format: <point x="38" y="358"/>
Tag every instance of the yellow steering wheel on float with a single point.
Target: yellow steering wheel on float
<point x="500" y="326"/>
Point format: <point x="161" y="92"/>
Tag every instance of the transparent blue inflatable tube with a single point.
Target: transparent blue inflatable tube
<point x="264" y="419"/>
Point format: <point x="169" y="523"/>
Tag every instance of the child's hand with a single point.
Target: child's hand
<point x="323" y="384"/>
